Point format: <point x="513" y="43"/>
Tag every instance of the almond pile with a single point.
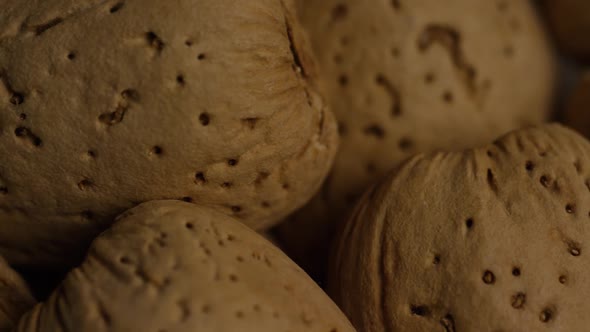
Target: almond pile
<point x="294" y="165"/>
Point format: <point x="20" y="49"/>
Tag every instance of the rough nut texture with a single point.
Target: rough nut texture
<point x="570" y="21"/>
<point x="414" y="76"/>
<point x="491" y="239"/>
<point x="577" y="112"/>
<point x="15" y="297"/>
<point x="106" y="104"/>
<point x="172" y="266"/>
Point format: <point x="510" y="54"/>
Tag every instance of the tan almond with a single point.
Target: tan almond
<point x="107" y="104"/>
<point x="176" y="267"/>
<point x="489" y="239"/>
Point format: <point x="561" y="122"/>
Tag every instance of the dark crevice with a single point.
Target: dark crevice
<point x="308" y="97"/>
<point x="492" y="181"/>
<point x="43" y="282"/>
<point x="393" y="92"/>
<point x="321" y="122"/>
<point x="298" y="65"/>
<point x="59" y="307"/>
<point x="325" y="192"/>
<point x="104" y="315"/>
<point x="42" y="28"/>
<point x="448" y="322"/>
<point x="384" y="273"/>
<point x="87" y="215"/>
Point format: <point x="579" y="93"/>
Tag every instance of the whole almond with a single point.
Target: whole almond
<point x="176" y="267"/>
<point x="488" y="239"/>
<point x="107" y="104"/>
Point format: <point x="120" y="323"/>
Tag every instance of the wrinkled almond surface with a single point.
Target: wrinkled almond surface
<point x="172" y="266"/>
<point x="491" y="239"/>
<point x="106" y="104"/>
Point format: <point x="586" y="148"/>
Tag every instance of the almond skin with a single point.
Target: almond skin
<point x="173" y="266"/>
<point x="107" y="104"/>
<point x="489" y="239"/>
